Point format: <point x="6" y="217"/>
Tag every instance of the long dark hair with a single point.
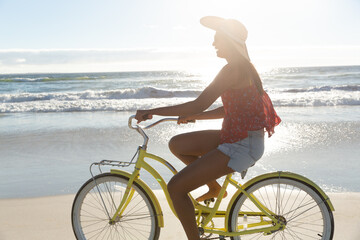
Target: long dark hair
<point x="248" y="68"/>
<point x="250" y="73"/>
<point x="257" y="80"/>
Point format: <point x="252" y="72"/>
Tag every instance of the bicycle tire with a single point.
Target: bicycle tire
<point x="306" y="213"/>
<point x="90" y="219"/>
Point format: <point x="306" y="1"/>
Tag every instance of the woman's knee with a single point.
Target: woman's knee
<point x="172" y="144"/>
<point x="175" y="144"/>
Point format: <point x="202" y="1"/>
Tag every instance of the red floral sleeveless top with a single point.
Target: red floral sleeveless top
<point x="246" y="110"/>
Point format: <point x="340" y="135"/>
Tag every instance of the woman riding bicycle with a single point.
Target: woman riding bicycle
<point x="247" y="110"/>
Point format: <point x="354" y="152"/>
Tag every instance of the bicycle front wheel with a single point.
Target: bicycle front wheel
<point x="96" y="203"/>
<point x="302" y="208"/>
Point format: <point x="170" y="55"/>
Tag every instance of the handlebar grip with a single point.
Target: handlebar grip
<point x="130" y="122"/>
<point x="131" y="118"/>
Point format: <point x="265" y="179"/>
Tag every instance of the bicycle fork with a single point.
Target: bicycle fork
<point x="126" y="199"/>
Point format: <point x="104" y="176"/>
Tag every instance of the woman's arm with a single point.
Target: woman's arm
<point x="212" y="114"/>
<point x="222" y="82"/>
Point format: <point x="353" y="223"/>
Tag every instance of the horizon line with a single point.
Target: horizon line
<point x="174" y="70"/>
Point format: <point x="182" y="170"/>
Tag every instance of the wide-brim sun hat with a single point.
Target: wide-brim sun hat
<point x="235" y="31"/>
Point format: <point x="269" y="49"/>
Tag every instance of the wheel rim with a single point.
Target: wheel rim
<point x="92" y="212"/>
<point x="302" y="210"/>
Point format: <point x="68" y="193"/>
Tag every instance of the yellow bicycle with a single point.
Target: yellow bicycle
<point x="278" y="205"/>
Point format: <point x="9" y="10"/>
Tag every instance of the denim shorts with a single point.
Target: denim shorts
<point x="244" y="153"/>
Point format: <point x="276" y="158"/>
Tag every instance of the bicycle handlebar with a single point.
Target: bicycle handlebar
<point x="140" y="129"/>
<point x="131" y="118"/>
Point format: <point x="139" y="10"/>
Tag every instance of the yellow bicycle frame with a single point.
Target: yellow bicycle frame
<point x="203" y="213"/>
<point x="208" y="213"/>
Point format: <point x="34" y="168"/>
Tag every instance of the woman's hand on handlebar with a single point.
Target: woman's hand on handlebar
<point x="143" y="115"/>
<point x="185" y="120"/>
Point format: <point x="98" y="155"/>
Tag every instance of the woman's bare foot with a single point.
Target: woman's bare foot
<point x="212" y="193"/>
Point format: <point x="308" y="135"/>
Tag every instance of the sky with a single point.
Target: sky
<point x="136" y="35"/>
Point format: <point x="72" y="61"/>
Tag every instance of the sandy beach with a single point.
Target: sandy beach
<point x="49" y="218"/>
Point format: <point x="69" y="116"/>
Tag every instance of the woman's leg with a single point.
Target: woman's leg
<point x="188" y="147"/>
<point x="206" y="169"/>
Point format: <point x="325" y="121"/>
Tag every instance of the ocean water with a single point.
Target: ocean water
<point x="53" y="126"/>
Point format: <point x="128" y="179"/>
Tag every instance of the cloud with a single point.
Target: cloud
<point x="21" y="60"/>
<point x="289" y="56"/>
<point x="75" y="60"/>
<point x="98" y="60"/>
<point x="63" y="56"/>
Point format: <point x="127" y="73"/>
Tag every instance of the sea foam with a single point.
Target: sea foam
<point x="149" y="97"/>
<point x="145" y="92"/>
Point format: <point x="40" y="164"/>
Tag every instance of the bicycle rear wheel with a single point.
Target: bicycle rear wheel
<point x="305" y="212"/>
<point x="96" y="202"/>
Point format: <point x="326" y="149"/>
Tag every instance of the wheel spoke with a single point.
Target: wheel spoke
<point x="90" y="218"/>
<point x="303" y="211"/>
